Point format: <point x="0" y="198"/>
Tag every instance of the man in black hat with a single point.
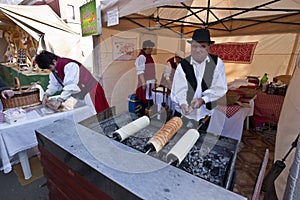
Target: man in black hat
<point x="145" y="68"/>
<point x="199" y="80"/>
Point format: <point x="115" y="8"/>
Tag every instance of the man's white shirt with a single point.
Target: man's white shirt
<point x="70" y="82"/>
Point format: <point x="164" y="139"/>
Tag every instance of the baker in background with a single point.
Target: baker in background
<point x="145" y="69"/>
<point x="199" y="80"/>
<point x="168" y="74"/>
<point x="73" y="79"/>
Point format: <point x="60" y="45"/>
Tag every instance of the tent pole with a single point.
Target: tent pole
<point x="207" y="15"/>
<point x="182" y="41"/>
<point x="294" y="58"/>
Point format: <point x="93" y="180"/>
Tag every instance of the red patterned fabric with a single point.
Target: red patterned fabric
<point x="229" y="110"/>
<point x="267" y="108"/>
<point x="234" y="52"/>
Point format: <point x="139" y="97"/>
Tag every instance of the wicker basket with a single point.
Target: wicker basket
<point x="25" y="96"/>
<point x="248" y="92"/>
<point x="232" y="98"/>
<point x="283" y="78"/>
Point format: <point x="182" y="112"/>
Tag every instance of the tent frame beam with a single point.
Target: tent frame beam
<point x="197" y="25"/>
<point x="218" y="23"/>
<point x="190" y="10"/>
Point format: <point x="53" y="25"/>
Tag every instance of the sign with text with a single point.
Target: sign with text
<point x="90" y="17"/>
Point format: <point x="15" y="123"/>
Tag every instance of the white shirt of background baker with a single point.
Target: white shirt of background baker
<point x="180" y="86"/>
<point x="70" y="82"/>
<point x="168" y="70"/>
<point x="140" y="69"/>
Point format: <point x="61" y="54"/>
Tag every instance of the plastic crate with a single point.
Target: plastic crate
<point x="133" y="103"/>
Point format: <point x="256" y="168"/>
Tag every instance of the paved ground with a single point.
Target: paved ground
<point x="11" y="189"/>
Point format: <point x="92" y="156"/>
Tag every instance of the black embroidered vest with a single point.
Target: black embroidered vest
<point x="206" y="81"/>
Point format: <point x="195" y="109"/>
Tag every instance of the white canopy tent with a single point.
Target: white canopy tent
<point x="275" y="24"/>
<point x="224" y="18"/>
<point x="42" y="23"/>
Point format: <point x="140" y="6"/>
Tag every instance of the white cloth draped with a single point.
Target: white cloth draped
<point x="229" y="127"/>
<point x="292" y="190"/>
<point x="18" y="137"/>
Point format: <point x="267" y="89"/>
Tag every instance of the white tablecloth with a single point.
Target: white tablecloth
<point x="230" y="127"/>
<point x="20" y="136"/>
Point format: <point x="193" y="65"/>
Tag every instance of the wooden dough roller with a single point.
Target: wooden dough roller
<point x="163" y="135"/>
<point x="183" y="146"/>
<point x="131" y="128"/>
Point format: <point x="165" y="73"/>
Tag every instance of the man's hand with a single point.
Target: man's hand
<point x="186" y="109"/>
<point x="144" y="86"/>
<point x="143" y="81"/>
<point x="169" y="84"/>
<point x="7" y="93"/>
<point x="197" y="103"/>
<point x="45" y="99"/>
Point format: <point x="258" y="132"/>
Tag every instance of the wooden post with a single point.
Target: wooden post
<point x="293" y="62"/>
<point x="97" y="69"/>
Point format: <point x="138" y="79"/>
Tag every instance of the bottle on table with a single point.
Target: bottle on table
<point x="264" y="82"/>
<point x="264" y="79"/>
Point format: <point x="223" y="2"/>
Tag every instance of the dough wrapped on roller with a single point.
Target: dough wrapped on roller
<point x="183" y="146"/>
<point x="163" y="135"/>
<point x="131" y="128"/>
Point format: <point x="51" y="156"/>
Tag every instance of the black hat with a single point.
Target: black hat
<point x="201" y="35"/>
<point x="148" y="44"/>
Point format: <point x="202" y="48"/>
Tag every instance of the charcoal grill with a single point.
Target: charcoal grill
<point x="212" y="157"/>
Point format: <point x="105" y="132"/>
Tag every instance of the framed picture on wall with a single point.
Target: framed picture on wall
<point x="152" y="37"/>
<point x="124" y="48"/>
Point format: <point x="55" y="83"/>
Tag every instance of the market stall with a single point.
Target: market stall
<point x="45" y="28"/>
<point x="24" y="31"/>
<point x="171" y="23"/>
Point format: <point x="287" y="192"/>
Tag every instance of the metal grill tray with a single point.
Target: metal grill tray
<point x="212" y="158"/>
